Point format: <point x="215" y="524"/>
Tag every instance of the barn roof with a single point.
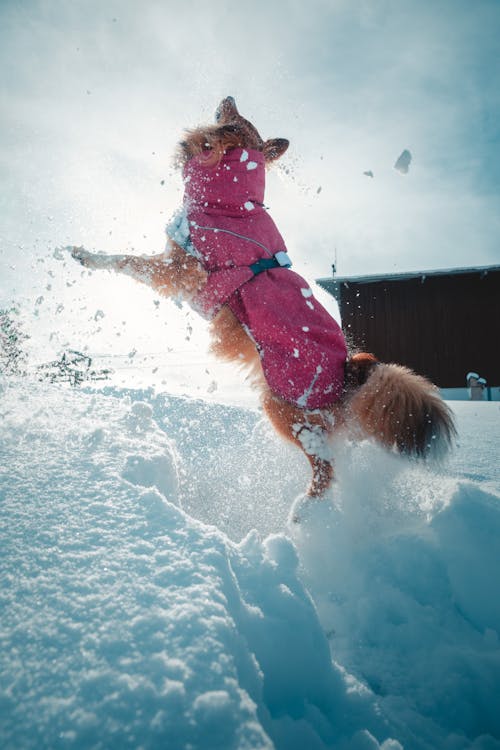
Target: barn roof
<point x="482" y="270"/>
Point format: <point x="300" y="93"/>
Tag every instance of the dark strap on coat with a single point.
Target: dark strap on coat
<point x="265" y="264"/>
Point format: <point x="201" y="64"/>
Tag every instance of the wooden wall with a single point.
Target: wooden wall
<point x="441" y="326"/>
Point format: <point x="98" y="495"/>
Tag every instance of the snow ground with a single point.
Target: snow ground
<point x="154" y="596"/>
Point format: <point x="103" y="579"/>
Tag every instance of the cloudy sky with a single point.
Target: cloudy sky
<point x="94" y="96"/>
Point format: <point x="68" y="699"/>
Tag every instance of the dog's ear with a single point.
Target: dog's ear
<point x="274" y="148"/>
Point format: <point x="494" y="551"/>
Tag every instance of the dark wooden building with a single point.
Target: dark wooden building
<point x="442" y="324"/>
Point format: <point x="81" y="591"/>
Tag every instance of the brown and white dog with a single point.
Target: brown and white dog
<point x="232" y="276"/>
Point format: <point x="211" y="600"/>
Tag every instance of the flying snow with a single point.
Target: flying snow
<point x="403" y="161"/>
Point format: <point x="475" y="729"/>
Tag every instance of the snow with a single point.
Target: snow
<point x="403" y="162"/>
<point x="154" y="595"/>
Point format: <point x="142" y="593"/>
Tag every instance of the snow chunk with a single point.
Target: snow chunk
<point x="402" y="164"/>
<point x="213" y="702"/>
<point x="249" y="206"/>
<point x="252" y="165"/>
<point x="178" y="230"/>
<point x="302" y="401"/>
<point x="244" y="155"/>
<point x="313" y="440"/>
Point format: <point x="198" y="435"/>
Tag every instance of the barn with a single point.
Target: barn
<point x="443" y="324"/>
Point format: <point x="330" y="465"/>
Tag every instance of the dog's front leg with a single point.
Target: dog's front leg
<point x="94" y="261"/>
<point x="146" y="269"/>
<point x="171" y="274"/>
<point x="139" y="267"/>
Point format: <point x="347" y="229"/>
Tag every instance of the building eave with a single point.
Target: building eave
<point x="484" y="270"/>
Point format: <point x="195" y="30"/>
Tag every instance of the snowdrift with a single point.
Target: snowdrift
<point x="153" y="596"/>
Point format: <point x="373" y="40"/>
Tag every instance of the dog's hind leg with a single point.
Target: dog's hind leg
<point x="309" y="431"/>
<point x="322" y="477"/>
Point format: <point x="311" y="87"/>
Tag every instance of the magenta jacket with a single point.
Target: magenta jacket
<point x="301" y="346"/>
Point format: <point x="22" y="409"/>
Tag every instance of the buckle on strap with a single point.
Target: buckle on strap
<point x="279" y="260"/>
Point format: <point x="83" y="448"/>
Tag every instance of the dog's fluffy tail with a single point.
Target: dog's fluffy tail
<point x="403" y="410"/>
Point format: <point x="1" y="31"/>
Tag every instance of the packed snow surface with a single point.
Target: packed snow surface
<point x="154" y="596"/>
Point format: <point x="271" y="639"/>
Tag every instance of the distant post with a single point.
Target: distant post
<point x="476" y="386"/>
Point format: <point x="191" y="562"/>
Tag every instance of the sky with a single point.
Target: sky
<point x="95" y="95"/>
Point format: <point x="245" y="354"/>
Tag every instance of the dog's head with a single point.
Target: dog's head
<point x="231" y="130"/>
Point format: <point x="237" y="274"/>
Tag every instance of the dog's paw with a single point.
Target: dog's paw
<point x="301" y="508"/>
<point x="309" y="514"/>
<point x="81" y="255"/>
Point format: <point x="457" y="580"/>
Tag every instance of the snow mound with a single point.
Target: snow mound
<point x="126" y="623"/>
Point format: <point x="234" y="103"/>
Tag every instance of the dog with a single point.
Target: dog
<point x="226" y="257"/>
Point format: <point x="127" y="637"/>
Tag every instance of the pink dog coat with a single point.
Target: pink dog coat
<point x="301" y="346"/>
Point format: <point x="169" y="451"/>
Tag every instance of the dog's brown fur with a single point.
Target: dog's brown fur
<point x="390" y="403"/>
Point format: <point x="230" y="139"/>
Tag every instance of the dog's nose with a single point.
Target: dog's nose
<point x="225" y="107"/>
